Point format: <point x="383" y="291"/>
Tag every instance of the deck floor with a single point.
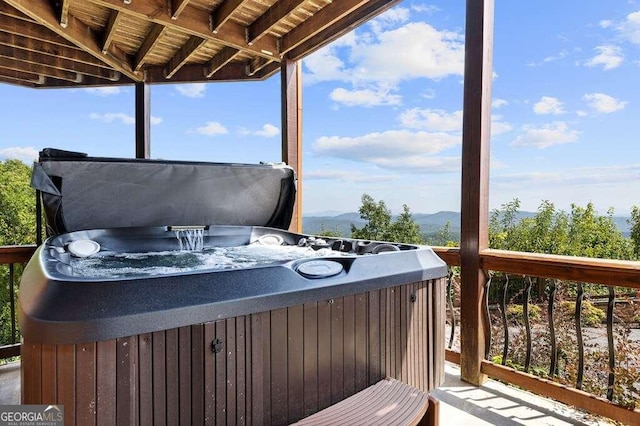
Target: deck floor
<point x="460" y="403"/>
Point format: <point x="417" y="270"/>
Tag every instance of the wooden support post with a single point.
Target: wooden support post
<point x="291" y="99"/>
<point x="475" y="184"/>
<point x="143" y="120"/>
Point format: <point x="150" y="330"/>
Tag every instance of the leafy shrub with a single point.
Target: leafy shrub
<point x="590" y="314"/>
<point x="516" y="313"/>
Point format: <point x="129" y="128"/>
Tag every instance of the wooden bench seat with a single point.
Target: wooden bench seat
<point x="388" y="402"/>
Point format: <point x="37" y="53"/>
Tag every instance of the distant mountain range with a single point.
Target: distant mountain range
<point x="429" y="223"/>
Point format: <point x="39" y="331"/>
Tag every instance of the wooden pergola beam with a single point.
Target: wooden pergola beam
<point x="324" y="18"/>
<point x="182" y="55"/>
<point x="110" y="30"/>
<point x="76" y="32"/>
<point x="175" y="7"/>
<point x="32" y="30"/>
<point x="476" y="126"/>
<point x="341" y="27"/>
<point x="194" y="73"/>
<point x="18" y="76"/>
<point x="222" y="13"/>
<point x="222" y="58"/>
<point x="256" y="64"/>
<point x="47" y="71"/>
<point x="143" y="120"/>
<point x="149" y="43"/>
<point x="38" y="46"/>
<point x="195" y="22"/>
<point x="271" y="17"/>
<point x="57" y="62"/>
<point x="64" y="13"/>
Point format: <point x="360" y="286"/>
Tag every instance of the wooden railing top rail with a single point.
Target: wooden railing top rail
<point x="16" y="254"/>
<point x="621" y="273"/>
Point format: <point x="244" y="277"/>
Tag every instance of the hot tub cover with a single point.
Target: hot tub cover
<point x="81" y="192"/>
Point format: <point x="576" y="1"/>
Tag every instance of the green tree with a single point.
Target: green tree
<point x="379" y="225"/>
<point x="17" y="204"/>
<point x="634" y="222"/>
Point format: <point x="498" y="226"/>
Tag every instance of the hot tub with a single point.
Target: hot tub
<point x="265" y="341"/>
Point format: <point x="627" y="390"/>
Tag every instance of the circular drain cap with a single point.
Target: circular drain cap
<point x="83" y="248"/>
<point x="320" y="268"/>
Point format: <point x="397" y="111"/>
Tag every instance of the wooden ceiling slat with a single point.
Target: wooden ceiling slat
<point x="64" y="13"/>
<point x="31" y="30"/>
<point x="196" y="22"/>
<point x="110" y="31"/>
<point x="338" y="29"/>
<point x="222" y="58"/>
<point x="18" y="65"/>
<point x="20" y="76"/>
<point x="77" y="32"/>
<point x="195" y="73"/>
<point x="183" y="55"/>
<point x="271" y="17"/>
<point x="324" y="18"/>
<point x="176" y="7"/>
<point x="149" y="43"/>
<point x="57" y="63"/>
<point x="222" y="13"/>
<point x="38" y="46"/>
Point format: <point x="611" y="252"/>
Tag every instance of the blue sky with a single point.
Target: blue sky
<point x="382" y="111"/>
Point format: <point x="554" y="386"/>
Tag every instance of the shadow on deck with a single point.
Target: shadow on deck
<point x="493" y="403"/>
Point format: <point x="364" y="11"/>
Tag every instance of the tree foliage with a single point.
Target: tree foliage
<point x="380" y="225"/>
<point x="17" y="204"/>
<point x="634" y="221"/>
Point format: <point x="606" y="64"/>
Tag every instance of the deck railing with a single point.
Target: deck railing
<point x="12" y="259"/>
<point x="515" y="342"/>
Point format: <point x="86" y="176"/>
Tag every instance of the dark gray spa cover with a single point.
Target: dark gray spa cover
<point x="81" y="192"/>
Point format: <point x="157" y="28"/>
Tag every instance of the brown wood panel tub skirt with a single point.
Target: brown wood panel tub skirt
<point x="267" y="368"/>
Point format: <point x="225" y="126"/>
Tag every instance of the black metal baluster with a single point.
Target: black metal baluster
<point x="578" y="314"/>
<point x="612" y="356"/>
<point x="527" y="324"/>
<point x="12" y="302"/>
<point x="487" y="329"/>
<point x="552" y="329"/>
<point x="450" y="300"/>
<point x="503" y="307"/>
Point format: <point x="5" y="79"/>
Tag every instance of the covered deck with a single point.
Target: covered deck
<point x="73" y="43"/>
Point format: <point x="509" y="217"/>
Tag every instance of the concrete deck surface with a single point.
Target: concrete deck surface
<point x="493" y="403"/>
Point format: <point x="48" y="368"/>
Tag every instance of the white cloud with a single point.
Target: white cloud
<point x="630" y="27"/>
<point x="582" y="113"/>
<point x="603" y="103"/>
<point x="347" y="176"/>
<point x="551" y="58"/>
<point x="498" y="103"/>
<point x="23" y="153"/>
<point x="267" y="131"/>
<point x="574" y="176"/>
<point x="609" y="57"/>
<point x="548" y="105"/>
<point x="104" y="91"/>
<point x="390" y="18"/>
<point x="425" y="8"/>
<point x="605" y="23"/>
<point x="414" y="50"/>
<point x="435" y="120"/>
<point x="498" y="126"/>
<point x="212" y="128"/>
<point x="109" y="117"/>
<point x="193" y="90"/>
<point x="429" y="94"/>
<point x="365" y="97"/>
<point x="555" y="133"/>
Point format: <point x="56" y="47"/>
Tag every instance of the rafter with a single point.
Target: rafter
<point x="271" y="17"/>
<point x="176" y="7"/>
<point x="77" y="32"/>
<point x="222" y="58"/>
<point x="149" y="43"/>
<point x="222" y="13"/>
<point x="110" y="30"/>
<point x="182" y="56"/>
<point x="195" y="73"/>
<point x="19" y="76"/>
<point x="18" y="65"/>
<point x="339" y="28"/>
<point x="57" y="62"/>
<point x="31" y="30"/>
<point x="195" y="22"/>
<point x="64" y="13"/>
<point x="325" y="17"/>
<point x="256" y="64"/>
